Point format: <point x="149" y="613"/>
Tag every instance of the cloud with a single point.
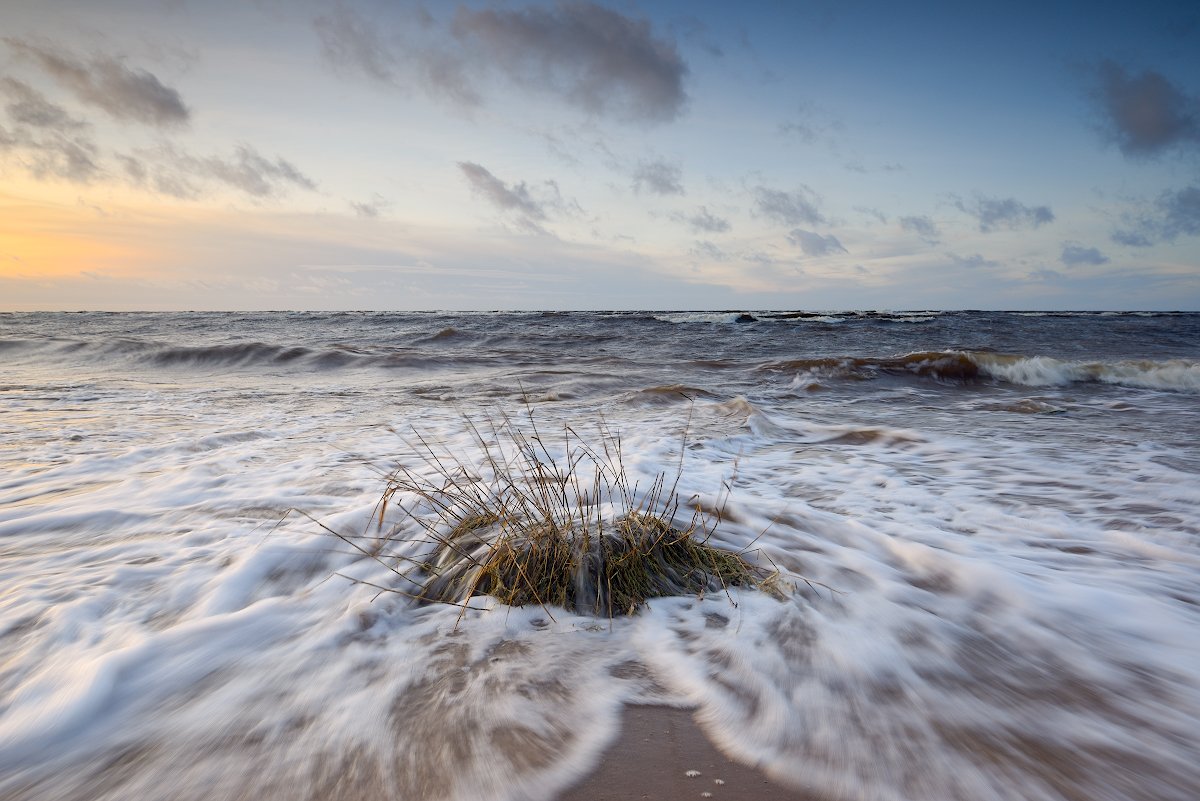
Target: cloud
<point x="106" y="83"/>
<point x="1175" y="213"/>
<point x="813" y="244"/>
<point x="371" y="208"/>
<point x="658" y="177"/>
<point x="53" y="154"/>
<point x="28" y="106"/>
<point x="589" y="56"/>
<point x="1145" y="114"/>
<point x="517" y="198"/>
<point x="1133" y="239"/>
<point x="704" y="220"/>
<point x="1181" y="212"/>
<point x="707" y="250"/>
<point x="974" y="262"/>
<point x="1045" y="275"/>
<point x="923" y="227"/>
<point x="172" y="172"/>
<point x="594" y="58"/>
<point x="253" y="173"/>
<point x="995" y="213"/>
<point x="1073" y="255"/>
<point x="868" y="211"/>
<point x="795" y="208"/>
<point x="350" y="41"/>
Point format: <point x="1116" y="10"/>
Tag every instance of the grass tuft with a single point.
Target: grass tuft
<point x="566" y="530"/>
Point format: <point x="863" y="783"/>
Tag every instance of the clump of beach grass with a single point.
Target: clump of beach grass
<point x="567" y="529"/>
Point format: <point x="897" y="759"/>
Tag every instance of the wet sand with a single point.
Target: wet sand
<point x="651" y="758"/>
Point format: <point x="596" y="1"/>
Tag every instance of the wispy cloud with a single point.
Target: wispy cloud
<point x="704" y="220"/>
<point x="707" y="250"/>
<point x="973" y="262"/>
<point x="813" y="244"/>
<point x="924" y="227"/>
<point x="1180" y="212"/>
<point x="516" y="198"/>
<point x="1073" y="255"/>
<point x="788" y="208"/>
<point x="873" y="213"/>
<point x="352" y="42"/>
<point x="372" y="208"/>
<point x="53" y="154"/>
<point x="46" y="140"/>
<point x="105" y="82"/>
<point x="1145" y="114"/>
<point x="28" y="106"/>
<point x="658" y="177"/>
<point x="529" y="205"/>
<point x="1173" y="214"/>
<point x="170" y="171"/>
<point x="1131" y="238"/>
<point x="996" y="213"/>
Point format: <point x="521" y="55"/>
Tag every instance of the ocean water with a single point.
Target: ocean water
<point x="988" y="524"/>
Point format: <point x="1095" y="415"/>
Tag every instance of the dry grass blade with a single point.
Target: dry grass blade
<point x="529" y="526"/>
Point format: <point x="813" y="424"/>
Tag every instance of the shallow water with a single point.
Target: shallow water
<point x="991" y="523"/>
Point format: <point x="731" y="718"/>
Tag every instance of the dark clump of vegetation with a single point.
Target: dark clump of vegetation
<point x="530" y="528"/>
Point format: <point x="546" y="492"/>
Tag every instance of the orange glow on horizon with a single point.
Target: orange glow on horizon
<point x="40" y="240"/>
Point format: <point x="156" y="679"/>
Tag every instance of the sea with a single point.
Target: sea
<point x="986" y="527"/>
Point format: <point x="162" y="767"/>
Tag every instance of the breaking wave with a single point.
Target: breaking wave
<point x="1178" y="375"/>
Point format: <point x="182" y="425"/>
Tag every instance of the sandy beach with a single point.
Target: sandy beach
<point x="662" y="753"/>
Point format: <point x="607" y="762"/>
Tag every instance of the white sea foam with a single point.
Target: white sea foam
<point x="1042" y="371"/>
<point x="985" y="606"/>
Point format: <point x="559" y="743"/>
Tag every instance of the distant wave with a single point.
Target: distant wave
<point x="1179" y="375"/>
<point x="751" y="316"/>
<point x="228" y="355"/>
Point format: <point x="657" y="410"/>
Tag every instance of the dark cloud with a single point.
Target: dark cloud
<point x="788" y="208"/>
<point x="1073" y="255"/>
<point x="924" y="227"/>
<point x="1145" y="114"/>
<point x="593" y="57"/>
<point x="995" y="213"/>
<point x="659" y="177"/>
<point x="704" y="220"/>
<point x="974" y="262"/>
<point x="28" y="106"/>
<point x="106" y="83"/>
<point x="813" y="244"/>
<point x="517" y="198"/>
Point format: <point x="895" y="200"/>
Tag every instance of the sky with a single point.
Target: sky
<point x="362" y="154"/>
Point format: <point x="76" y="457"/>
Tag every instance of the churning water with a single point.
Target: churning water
<point x="991" y="522"/>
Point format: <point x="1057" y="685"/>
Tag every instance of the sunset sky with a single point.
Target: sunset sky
<point x="578" y="155"/>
